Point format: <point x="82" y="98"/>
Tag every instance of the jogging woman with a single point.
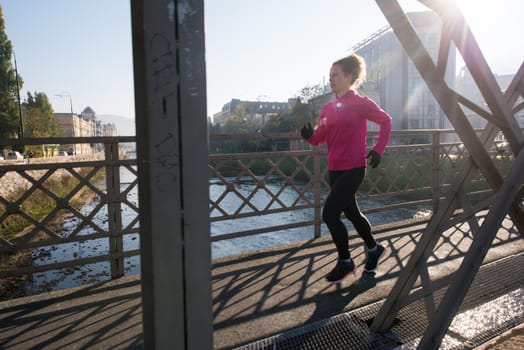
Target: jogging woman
<point x="342" y="124"/>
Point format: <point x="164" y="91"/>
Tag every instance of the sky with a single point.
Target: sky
<point x="79" y="52"/>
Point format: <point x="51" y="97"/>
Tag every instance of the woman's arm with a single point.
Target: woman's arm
<point x="319" y="136"/>
<point x="378" y="116"/>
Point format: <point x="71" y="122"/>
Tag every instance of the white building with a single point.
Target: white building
<point x="83" y="125"/>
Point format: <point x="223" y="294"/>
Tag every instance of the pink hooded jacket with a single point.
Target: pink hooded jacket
<point x="343" y="125"/>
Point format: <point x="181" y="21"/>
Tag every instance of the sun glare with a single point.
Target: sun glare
<point x="481" y="13"/>
<point x="496" y="26"/>
<point x="473" y="11"/>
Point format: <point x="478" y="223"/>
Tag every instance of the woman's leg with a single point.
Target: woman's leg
<point x="352" y="210"/>
<point x="361" y="223"/>
<point x="344" y="185"/>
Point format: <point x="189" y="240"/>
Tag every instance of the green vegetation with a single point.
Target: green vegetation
<point x="261" y="167"/>
<point x="39" y="120"/>
<point x="36" y="113"/>
<point x="242" y="122"/>
<point x="408" y="174"/>
<point x="9" y="111"/>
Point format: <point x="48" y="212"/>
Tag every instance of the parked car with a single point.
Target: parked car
<point x="62" y="153"/>
<point x="1" y="157"/>
<point x="14" y="155"/>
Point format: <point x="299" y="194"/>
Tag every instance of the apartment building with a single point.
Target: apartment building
<point x="260" y="111"/>
<point x="398" y="86"/>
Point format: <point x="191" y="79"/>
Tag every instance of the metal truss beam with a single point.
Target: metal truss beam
<point x="507" y="192"/>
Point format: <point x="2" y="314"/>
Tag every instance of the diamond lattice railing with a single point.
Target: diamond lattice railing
<point x="70" y="214"/>
<point x="276" y="183"/>
<point x="250" y="193"/>
<point x="247" y="185"/>
<point x="60" y="190"/>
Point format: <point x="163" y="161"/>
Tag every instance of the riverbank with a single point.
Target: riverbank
<point x="16" y="286"/>
<point x="14" y="185"/>
<point x="11" y="181"/>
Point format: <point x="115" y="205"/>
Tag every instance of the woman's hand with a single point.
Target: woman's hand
<point x="307" y="131"/>
<point x="375" y="158"/>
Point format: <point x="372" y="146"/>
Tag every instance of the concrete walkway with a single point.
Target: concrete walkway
<point x="255" y="295"/>
<point x="259" y="295"/>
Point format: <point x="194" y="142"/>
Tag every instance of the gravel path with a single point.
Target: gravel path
<point x="11" y="181"/>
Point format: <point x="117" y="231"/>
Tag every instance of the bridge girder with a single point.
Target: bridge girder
<point x="508" y="191"/>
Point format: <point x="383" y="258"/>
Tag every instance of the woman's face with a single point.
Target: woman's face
<point x="338" y="81"/>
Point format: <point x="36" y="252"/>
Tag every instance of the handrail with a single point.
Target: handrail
<point x="66" y="140"/>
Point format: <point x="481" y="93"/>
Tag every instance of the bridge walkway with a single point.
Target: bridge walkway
<point x="270" y="296"/>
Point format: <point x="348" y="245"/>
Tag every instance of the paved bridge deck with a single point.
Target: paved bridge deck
<point x="259" y="295"/>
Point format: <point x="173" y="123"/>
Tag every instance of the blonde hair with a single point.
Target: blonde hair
<point x="354" y="65"/>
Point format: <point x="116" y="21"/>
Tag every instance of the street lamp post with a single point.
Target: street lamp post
<point x="64" y="94"/>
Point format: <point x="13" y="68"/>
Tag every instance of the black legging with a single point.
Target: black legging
<point x="341" y="198"/>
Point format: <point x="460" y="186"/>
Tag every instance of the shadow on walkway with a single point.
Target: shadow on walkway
<point x="255" y="295"/>
<point x="105" y="315"/>
<point x="265" y="293"/>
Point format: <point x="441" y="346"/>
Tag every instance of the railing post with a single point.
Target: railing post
<point x="316" y="189"/>
<point x="114" y="213"/>
<point x="435" y="150"/>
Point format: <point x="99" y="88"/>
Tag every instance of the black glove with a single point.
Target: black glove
<point x="375" y="158"/>
<point x="307" y="131"/>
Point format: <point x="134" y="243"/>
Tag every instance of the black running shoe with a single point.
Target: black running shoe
<point x="373" y="258"/>
<point x="341" y="270"/>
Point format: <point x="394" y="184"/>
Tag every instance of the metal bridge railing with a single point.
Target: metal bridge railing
<point x="415" y="172"/>
<point x="85" y="190"/>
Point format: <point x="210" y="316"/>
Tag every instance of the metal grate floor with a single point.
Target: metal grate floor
<point x="494" y="304"/>
<point x="332" y="334"/>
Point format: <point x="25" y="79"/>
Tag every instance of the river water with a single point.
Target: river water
<point x="96" y="272"/>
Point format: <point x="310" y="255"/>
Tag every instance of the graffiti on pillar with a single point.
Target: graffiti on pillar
<point x="166" y="157"/>
<point x="163" y="63"/>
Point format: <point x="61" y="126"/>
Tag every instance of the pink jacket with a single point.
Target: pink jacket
<point x="343" y="125"/>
